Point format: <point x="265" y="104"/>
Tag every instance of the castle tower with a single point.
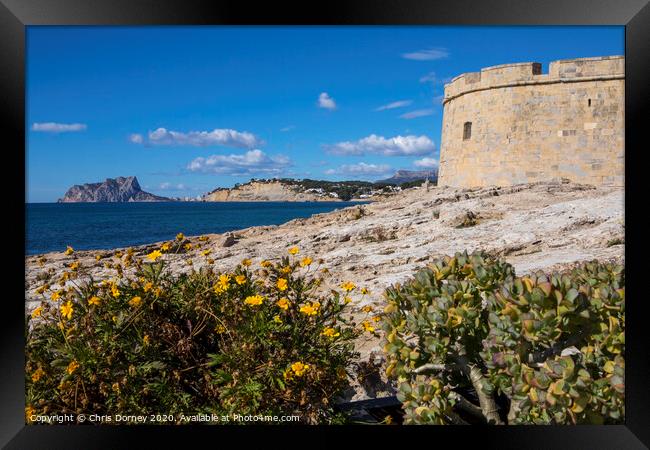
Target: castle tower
<point x="511" y="124"/>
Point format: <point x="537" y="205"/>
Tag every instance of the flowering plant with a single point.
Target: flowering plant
<point x="257" y="340"/>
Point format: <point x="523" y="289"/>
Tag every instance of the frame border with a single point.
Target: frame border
<point x="15" y="15"/>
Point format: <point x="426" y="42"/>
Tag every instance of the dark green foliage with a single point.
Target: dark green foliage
<point x="552" y="345"/>
<point x="204" y="342"/>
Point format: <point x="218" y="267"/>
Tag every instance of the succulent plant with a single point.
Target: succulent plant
<point x="533" y="349"/>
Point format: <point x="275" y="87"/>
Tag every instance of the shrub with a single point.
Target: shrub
<point x="252" y="341"/>
<point x="469" y="341"/>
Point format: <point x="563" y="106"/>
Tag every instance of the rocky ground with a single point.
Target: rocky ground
<point x="533" y="226"/>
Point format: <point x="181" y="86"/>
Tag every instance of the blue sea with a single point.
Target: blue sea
<point x="51" y="227"/>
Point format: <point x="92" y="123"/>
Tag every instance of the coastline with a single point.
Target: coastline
<point x="103" y="226"/>
<point x="536" y="226"/>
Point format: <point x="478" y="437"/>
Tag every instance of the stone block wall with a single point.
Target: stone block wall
<point x="525" y="126"/>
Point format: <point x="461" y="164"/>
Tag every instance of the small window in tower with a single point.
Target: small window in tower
<point x="589" y="102"/>
<point x="467" y="131"/>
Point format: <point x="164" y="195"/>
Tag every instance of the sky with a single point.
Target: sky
<point x="189" y="109"/>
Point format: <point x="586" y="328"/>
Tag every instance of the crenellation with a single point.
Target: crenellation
<point x="517" y="74"/>
<point x="529" y="126"/>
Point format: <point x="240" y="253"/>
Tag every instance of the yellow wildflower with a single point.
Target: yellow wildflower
<point x="346" y="299"/>
<point x="153" y="256"/>
<point x="98" y="257"/>
<point x="37" y="312"/>
<point x="367" y="309"/>
<point x="365" y="291"/>
<point x="254" y="300"/>
<point x="293" y="250"/>
<point x="165" y="247"/>
<point x="299" y="368"/>
<point x="286" y="270"/>
<point x="330" y="333"/>
<point x="246" y="262"/>
<point x="277" y="319"/>
<point x="288" y="374"/>
<point x="206" y="252"/>
<point x="282" y="284"/>
<point x="38" y="374"/>
<point x="376" y="319"/>
<point x="203" y="238"/>
<point x="115" y="292"/>
<point x="147" y="286"/>
<point x="283" y="303"/>
<point x="29" y="413"/>
<point x="306" y="261"/>
<point x="188" y="246"/>
<point x="55" y="296"/>
<point x="145" y="340"/>
<point x="310" y="309"/>
<point x="66" y="310"/>
<point x="240" y="279"/>
<point x="266" y="263"/>
<point x="135" y="301"/>
<point x="94" y="300"/>
<point x="74" y="365"/>
<point x="220" y="329"/>
<point x="367" y="326"/>
<point x="69" y="251"/>
<point x="74" y="265"/>
<point x="180" y="236"/>
<point x="224" y="281"/>
<point x="348" y="286"/>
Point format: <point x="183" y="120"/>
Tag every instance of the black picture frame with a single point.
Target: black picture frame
<point x="15" y="15"/>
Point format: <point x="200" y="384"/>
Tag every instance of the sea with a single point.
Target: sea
<point x="51" y="227"/>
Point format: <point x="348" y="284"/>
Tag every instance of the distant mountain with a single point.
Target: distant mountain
<point x="405" y="176"/>
<point x="120" y="189"/>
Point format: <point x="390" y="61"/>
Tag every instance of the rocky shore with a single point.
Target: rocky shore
<point x="533" y="226"/>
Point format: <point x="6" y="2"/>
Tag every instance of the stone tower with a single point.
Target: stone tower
<point x="511" y="124"/>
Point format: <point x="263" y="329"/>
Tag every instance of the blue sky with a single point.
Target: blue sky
<point x="187" y="109"/>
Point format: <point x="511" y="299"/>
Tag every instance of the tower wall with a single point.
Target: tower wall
<point x="527" y="126"/>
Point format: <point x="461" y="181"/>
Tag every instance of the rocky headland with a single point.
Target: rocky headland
<point x="120" y="189"/>
<point x="532" y="226"/>
<point x="263" y="191"/>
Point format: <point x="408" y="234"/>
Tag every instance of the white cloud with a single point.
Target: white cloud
<point x="379" y="145"/>
<point x="136" y="138"/>
<point x="437" y="100"/>
<point x="325" y="101"/>
<point x="53" y="127"/>
<point x="426" y="163"/>
<point x="427" y="55"/>
<point x="250" y="163"/>
<point x="216" y="137"/>
<point x="429" y="78"/>
<point x="166" y="186"/>
<point x="361" y="170"/>
<point x="288" y="128"/>
<point x="398" y="104"/>
<point x="417" y="113"/>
